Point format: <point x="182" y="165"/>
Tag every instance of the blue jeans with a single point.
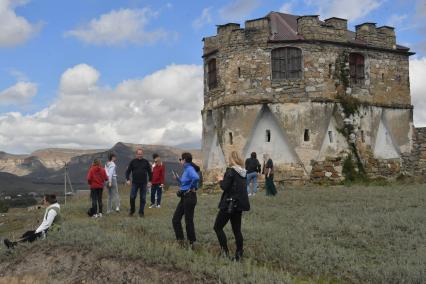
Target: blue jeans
<point x="156" y="189"/>
<point x="252" y="176"/>
<point x="142" y="197"/>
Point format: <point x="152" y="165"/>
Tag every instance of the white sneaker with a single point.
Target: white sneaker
<point x="117" y="209"/>
<point x="95" y="216"/>
<point x="100" y="215"/>
<point x="249" y="194"/>
<point x="152" y="206"/>
<point x="158" y="206"/>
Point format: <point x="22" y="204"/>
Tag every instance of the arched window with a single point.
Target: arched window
<point x="286" y="63"/>
<point x="356" y="68"/>
<point x="212" y="74"/>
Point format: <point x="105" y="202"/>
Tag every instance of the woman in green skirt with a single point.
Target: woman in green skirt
<point x="268" y="170"/>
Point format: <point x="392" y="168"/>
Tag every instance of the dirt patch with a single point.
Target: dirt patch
<point x="71" y="265"/>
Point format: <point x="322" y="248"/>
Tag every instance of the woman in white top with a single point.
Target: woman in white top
<point x="111" y="184"/>
<point x="51" y="219"/>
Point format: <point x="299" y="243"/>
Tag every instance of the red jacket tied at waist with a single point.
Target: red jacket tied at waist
<point x="158" y="173"/>
<point x="96" y="177"/>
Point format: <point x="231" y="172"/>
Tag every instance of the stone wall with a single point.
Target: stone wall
<point x="244" y="74"/>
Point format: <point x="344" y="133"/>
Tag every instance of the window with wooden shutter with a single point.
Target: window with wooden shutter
<point x="286" y="63"/>
<point x="212" y="74"/>
<point x="356" y="68"/>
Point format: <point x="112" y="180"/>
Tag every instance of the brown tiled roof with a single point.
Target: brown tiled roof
<point x="284" y="27"/>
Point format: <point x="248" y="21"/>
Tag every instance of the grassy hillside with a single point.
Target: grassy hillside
<point x="355" y="234"/>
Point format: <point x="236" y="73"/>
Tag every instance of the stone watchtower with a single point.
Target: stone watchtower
<point x="308" y="93"/>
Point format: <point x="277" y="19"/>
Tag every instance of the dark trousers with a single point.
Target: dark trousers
<point x="221" y="220"/>
<point x="96" y="197"/>
<point x="156" y="190"/>
<point x="142" y="197"/>
<point x="30" y="236"/>
<point x="186" y="206"/>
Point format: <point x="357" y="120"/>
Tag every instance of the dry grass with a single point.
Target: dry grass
<point x="338" y="234"/>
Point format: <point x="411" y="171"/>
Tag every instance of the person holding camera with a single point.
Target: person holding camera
<point x="188" y="199"/>
<point x="233" y="202"/>
<point x="158" y="176"/>
<point x="51" y="221"/>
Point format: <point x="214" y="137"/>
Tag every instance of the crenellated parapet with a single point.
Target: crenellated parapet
<point x="383" y="37"/>
<point x="332" y="29"/>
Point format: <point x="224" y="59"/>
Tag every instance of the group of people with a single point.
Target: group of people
<point x="253" y="171"/>
<point x="140" y="174"/>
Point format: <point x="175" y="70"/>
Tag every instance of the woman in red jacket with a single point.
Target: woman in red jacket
<point x="96" y="179"/>
<point x="158" y="174"/>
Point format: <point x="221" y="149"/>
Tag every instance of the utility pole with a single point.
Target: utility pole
<point x="65" y="183"/>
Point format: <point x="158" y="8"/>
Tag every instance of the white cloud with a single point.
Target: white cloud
<point x="395" y="20"/>
<point x="347" y="9"/>
<point x="18" y="94"/>
<point x="287" y="7"/>
<point x="418" y="89"/>
<point x="120" y="27"/>
<point x="14" y="29"/>
<point x="204" y="19"/>
<point x="162" y="108"/>
<point x="238" y="10"/>
<point x="79" y="79"/>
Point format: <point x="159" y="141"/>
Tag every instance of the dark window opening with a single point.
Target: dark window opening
<point x="306" y="135"/>
<point x="231" y="140"/>
<point x="286" y="63"/>
<point x="362" y="136"/>
<point x="212" y="74"/>
<point x="239" y="72"/>
<point x="356" y="68"/>
<point x="268" y="135"/>
<point x="383" y="77"/>
<point x="330" y="71"/>
<point x="330" y="136"/>
<point x="398" y="78"/>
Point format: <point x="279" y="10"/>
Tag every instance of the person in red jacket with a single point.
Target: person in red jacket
<point x="96" y="179"/>
<point x="158" y="174"/>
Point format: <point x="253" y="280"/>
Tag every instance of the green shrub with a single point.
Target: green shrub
<point x="3" y="207"/>
<point x="349" y="171"/>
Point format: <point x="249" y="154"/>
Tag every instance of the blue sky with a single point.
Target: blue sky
<point x="117" y="47"/>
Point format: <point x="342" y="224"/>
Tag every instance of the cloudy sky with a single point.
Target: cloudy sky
<point x="87" y="74"/>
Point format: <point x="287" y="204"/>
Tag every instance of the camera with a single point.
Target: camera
<point x="231" y="204"/>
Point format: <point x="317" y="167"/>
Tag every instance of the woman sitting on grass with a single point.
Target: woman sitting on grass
<point x="51" y="219"/>
<point x="233" y="202"/>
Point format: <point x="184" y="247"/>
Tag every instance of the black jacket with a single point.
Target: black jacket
<point x="252" y="165"/>
<point x="141" y="171"/>
<point x="234" y="186"/>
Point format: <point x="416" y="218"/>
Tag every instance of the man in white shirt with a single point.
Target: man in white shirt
<point x="51" y="219"/>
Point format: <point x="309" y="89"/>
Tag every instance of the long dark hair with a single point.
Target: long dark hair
<point x="51" y="198"/>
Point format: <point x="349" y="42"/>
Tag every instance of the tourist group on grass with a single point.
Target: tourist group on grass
<point x="238" y="183"/>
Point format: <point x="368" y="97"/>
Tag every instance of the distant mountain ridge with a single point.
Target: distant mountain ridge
<point x="46" y="166"/>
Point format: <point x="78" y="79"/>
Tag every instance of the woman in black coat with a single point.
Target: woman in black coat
<point x="233" y="202"/>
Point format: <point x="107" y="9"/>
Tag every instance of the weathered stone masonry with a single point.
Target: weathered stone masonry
<point x="299" y="120"/>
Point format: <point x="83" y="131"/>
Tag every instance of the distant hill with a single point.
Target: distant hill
<point x="44" y="169"/>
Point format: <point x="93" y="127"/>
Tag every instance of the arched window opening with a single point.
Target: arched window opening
<point x="212" y="74"/>
<point x="356" y="68"/>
